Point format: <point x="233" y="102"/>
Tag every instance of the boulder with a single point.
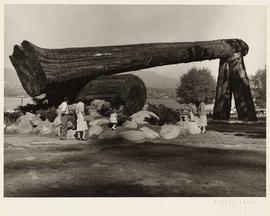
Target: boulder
<point x="71" y="134"/>
<point x="99" y="122"/>
<point x="89" y="118"/>
<point x="23" y="117"/>
<point x="94" y="131"/>
<point x="170" y="131"/>
<point x="93" y="112"/>
<point x="139" y="117"/>
<point x="190" y="127"/>
<point x="57" y="121"/>
<point x="108" y="134"/>
<point x="33" y="119"/>
<point x="99" y="104"/>
<point x="29" y="116"/>
<point x="132" y="135"/>
<point x="24" y="126"/>
<point x="193" y="128"/>
<point x="45" y="128"/>
<point x="130" y="124"/>
<point x="183" y="127"/>
<point x="11" y="129"/>
<point x="149" y="133"/>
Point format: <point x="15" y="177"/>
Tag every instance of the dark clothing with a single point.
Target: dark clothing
<point x="64" y="119"/>
<point x="110" y="125"/>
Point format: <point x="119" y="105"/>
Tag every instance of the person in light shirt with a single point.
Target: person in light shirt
<point x="65" y="117"/>
<point x="113" y="120"/>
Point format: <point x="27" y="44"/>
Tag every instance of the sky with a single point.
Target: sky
<point x="62" y="26"/>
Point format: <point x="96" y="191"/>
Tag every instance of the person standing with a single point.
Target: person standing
<point x="113" y="120"/>
<point x="191" y="115"/>
<point x="65" y="117"/>
<point x="81" y="122"/>
<point x="202" y="115"/>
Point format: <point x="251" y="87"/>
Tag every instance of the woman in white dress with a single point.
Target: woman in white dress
<point x="81" y="122"/>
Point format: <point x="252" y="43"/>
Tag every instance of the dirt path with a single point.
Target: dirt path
<point x="214" y="164"/>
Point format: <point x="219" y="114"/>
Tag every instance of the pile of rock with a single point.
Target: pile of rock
<point x="135" y="129"/>
<point x="31" y="123"/>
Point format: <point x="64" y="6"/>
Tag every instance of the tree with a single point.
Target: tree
<point x="196" y="85"/>
<point x="258" y="88"/>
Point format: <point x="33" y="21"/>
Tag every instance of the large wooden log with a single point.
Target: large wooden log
<point x="223" y="99"/>
<point x="56" y="70"/>
<point x="241" y="89"/>
<point x="127" y="90"/>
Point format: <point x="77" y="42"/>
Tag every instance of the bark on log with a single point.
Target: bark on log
<point x="240" y="88"/>
<point x="56" y="70"/>
<point x="127" y="90"/>
<point x="223" y="99"/>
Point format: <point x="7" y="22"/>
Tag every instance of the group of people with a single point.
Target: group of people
<point x="81" y="123"/>
<point x="82" y="127"/>
<point x="66" y="116"/>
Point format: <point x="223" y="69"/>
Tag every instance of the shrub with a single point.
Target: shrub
<point x="166" y="115"/>
<point x="11" y="117"/>
<point x="32" y="108"/>
<point x="49" y="114"/>
<point x="39" y="108"/>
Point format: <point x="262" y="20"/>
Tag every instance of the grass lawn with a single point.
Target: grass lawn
<point x="229" y="160"/>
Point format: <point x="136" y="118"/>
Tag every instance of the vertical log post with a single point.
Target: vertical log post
<point x="240" y="87"/>
<point x="223" y="99"/>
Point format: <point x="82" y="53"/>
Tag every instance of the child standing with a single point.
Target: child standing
<point x="191" y="115"/>
<point x="113" y="120"/>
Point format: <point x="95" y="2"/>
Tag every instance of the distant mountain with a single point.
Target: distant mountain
<point x="12" y="84"/>
<point x="10" y="76"/>
<point x="154" y="80"/>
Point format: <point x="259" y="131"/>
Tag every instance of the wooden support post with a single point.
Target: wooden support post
<point x="240" y="87"/>
<point x="223" y="92"/>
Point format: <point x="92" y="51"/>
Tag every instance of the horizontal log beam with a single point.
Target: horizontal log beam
<point x="53" y="70"/>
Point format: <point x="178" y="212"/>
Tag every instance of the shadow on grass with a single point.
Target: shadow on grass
<point x="166" y="160"/>
<point x="249" y="131"/>
<point x="117" y="189"/>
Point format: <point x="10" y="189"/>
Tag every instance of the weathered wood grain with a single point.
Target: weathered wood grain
<point x="53" y="70"/>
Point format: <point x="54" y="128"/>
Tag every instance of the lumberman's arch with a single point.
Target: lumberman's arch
<point x="52" y="70"/>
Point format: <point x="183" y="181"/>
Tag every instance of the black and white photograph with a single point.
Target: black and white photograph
<point x="125" y="101"/>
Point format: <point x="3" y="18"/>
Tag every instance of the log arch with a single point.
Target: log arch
<point x="57" y="71"/>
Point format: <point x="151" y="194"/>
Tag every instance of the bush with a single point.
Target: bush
<point x="32" y="108"/>
<point x="49" y="114"/>
<point x="11" y="117"/>
<point x="40" y="104"/>
<point x="165" y="114"/>
<point x="39" y="108"/>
